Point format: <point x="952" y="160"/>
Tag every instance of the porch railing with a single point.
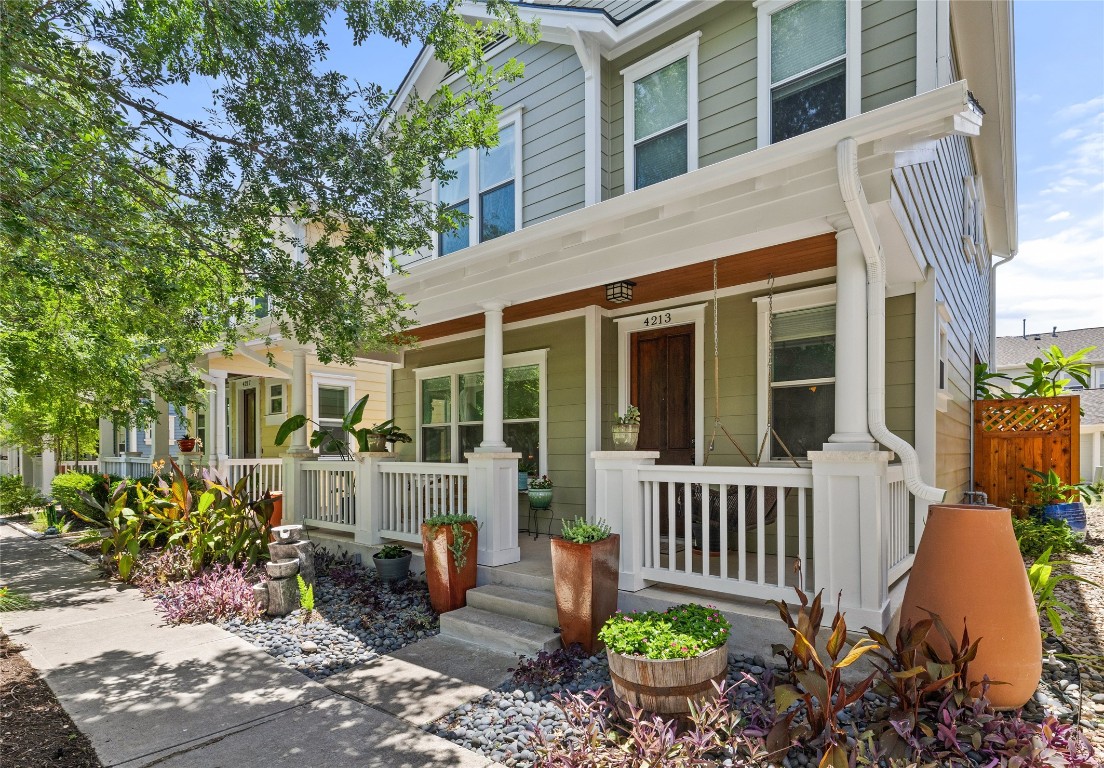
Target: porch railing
<point x="900" y="546"/>
<point x="126" y="466"/>
<point x="329" y="489"/>
<point x="78" y="466"/>
<point x="268" y="476"/>
<point x="413" y="491"/>
<point x="742" y="531"/>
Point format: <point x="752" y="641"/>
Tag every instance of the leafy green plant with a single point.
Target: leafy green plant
<point x="388" y="432"/>
<point x="325" y="440"/>
<point x="67" y="489"/>
<point x="13" y="601"/>
<point x="817" y="684"/>
<point x="1050" y="488"/>
<point x="48" y="517"/>
<point x="16" y="497"/>
<point x="1047" y="376"/>
<point x="125" y="536"/>
<point x="542" y="483"/>
<point x="391" y="552"/>
<point x="461" y="538"/>
<point x="580" y="531"/>
<point x="306" y="597"/>
<point x="1044" y="579"/>
<point x="680" y="632"/>
<point x="1036" y="535"/>
<point x="630" y="416"/>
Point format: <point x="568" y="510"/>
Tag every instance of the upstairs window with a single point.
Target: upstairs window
<point x="484" y="189"/>
<point x="808" y="75"/>
<point x="661" y="115"/>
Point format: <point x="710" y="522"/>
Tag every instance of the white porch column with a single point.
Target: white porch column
<point x="160" y="439"/>
<point x="107" y="440"/>
<point x="216" y="422"/>
<point x="620" y="504"/>
<point x="210" y="454"/>
<point x="492" y="382"/>
<point x="849" y="533"/>
<point x="299" y="399"/>
<point x="369" y="496"/>
<point x="49" y="469"/>
<point x="851" y="380"/>
<point x="493" y="499"/>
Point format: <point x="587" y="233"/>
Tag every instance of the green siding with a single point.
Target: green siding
<point x="888" y="52"/>
<point x="901" y="365"/>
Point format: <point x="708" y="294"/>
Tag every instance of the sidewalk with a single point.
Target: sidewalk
<point x="148" y="694"/>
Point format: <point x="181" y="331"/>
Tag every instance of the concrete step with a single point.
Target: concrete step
<point x="523" y="575"/>
<point x="498" y="632"/>
<point x="529" y="604"/>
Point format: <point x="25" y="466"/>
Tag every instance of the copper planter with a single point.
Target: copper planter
<point x="448" y="585"/>
<point x="585" y="579"/>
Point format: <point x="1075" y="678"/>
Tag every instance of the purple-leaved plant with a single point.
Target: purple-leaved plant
<point x="218" y="593"/>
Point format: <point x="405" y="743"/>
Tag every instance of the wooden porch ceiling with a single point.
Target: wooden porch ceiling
<point x="790" y="258"/>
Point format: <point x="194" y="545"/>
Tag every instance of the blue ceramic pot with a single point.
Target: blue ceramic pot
<point x="1073" y="513"/>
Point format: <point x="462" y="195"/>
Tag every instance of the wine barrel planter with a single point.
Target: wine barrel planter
<point x="666" y="686"/>
<point x="448" y="585"/>
<point x="968" y="568"/>
<point x="584" y="577"/>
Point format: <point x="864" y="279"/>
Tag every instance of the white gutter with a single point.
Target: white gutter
<point x="854" y="199"/>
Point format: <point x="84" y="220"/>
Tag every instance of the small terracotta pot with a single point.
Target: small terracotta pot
<point x="448" y="586"/>
<point x="585" y="580"/>
<point x="968" y="568"/>
<point x="277" y="516"/>
<point x="186" y="446"/>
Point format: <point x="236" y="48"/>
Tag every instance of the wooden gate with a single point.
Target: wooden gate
<point x="1038" y="433"/>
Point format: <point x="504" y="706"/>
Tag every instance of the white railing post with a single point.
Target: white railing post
<point x="369" y="496"/>
<point x="107" y="442"/>
<point x="850" y="532"/>
<point x="492" y="498"/>
<point x="294" y="501"/>
<point x="49" y="468"/>
<point x="620" y="504"/>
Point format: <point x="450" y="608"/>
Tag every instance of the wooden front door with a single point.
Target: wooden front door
<point x="661" y="385"/>
<point x="249" y="424"/>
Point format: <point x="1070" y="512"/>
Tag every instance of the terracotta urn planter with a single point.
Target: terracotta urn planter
<point x="449" y="581"/>
<point x="667" y="686"/>
<point x="186" y="444"/>
<point x="585" y="580"/>
<point x="277" y="516"/>
<point x="968" y="568"/>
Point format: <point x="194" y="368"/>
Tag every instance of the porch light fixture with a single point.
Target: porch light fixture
<point x="619" y="292"/>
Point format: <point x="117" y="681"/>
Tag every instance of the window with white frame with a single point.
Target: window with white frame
<point x="450" y="409"/>
<point x="485" y="188"/>
<point x="661" y="115"/>
<point x="797" y="358"/>
<point x="943" y="360"/>
<point x="332" y="399"/>
<point x="276" y="400"/>
<point x="973" y="221"/>
<point x="808" y="66"/>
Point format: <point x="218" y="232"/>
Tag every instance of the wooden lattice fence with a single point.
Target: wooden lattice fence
<point x="1039" y="432"/>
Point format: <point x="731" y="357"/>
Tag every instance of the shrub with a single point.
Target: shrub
<point x="16" y="497"/>
<point x="12" y="601"/>
<point x="549" y="667"/>
<point x="391" y="552"/>
<point x="48" y="517"/>
<point x="580" y="531"/>
<point x="219" y="593"/>
<point x="1036" y="535"/>
<point x="67" y="488"/>
<point x="681" y="632"/>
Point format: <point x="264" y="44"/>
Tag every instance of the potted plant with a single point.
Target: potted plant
<point x="1060" y="500"/>
<point x="449" y="544"/>
<point x="392" y="562"/>
<point x="626" y="429"/>
<point x="186" y="444"/>
<point x="584" y="578"/>
<point x="540" y="492"/>
<point x="525" y="469"/>
<point x="665" y="662"/>
<point x="383" y="434"/>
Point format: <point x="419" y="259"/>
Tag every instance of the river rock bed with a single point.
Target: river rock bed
<point x="356" y="617"/>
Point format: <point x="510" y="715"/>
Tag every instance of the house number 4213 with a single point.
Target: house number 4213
<point x="663" y="318"/>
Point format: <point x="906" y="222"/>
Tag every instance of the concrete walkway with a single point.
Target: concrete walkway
<point x="149" y="694"/>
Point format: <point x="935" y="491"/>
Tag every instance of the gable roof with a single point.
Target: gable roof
<point x="1015" y="351"/>
<point x="617" y="11"/>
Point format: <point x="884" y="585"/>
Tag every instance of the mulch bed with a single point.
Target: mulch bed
<point x="34" y="730"/>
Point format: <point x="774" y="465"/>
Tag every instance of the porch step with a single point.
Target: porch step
<point x="532" y="605"/>
<point x="498" y="632"/>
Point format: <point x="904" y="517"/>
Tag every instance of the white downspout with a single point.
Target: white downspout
<point x="862" y="218"/>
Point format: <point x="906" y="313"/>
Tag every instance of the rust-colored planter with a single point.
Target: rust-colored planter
<point x="448" y="585"/>
<point x="667" y="686"/>
<point x="968" y="567"/>
<point x="585" y="580"/>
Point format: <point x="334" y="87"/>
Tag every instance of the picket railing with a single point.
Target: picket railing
<point x="78" y="466"/>
<point x="900" y="545"/>
<point x="741" y="531"/>
<point x="413" y="491"/>
<point x="126" y="466"/>
<point x="329" y="489"/>
<point x="268" y="475"/>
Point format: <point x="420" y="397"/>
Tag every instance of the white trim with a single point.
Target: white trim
<point x="685" y="315"/>
<point x="852" y="55"/>
<point x="589" y="51"/>
<point x="687" y="48"/>
<point x="275" y="418"/>
<point x="805" y="298"/>
<point x="593" y="404"/>
<point x="335" y="381"/>
<point x="944" y="318"/>
<point x="537" y="357"/>
<point x="927" y="66"/>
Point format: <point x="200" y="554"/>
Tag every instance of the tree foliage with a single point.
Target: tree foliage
<point x="132" y="237"/>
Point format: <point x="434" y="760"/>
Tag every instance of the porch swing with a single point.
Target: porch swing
<point x="751" y="495"/>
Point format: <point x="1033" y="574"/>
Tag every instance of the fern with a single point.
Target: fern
<point x="306" y="597"/>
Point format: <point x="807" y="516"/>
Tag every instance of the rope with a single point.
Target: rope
<point x="717" y="383"/>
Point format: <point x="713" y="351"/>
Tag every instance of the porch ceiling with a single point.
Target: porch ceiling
<point x="791" y="258"/>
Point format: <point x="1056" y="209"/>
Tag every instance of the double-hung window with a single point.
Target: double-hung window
<point x="451" y="408"/>
<point x="333" y="396"/>
<point x="808" y="66"/>
<point x="484" y="191"/>
<point x="661" y="115"/>
<point x="798" y="361"/>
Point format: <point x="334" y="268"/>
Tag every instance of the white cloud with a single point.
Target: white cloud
<point x="1060" y="216"/>
<point x="1084" y="107"/>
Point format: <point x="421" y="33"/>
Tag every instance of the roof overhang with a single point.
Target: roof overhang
<point x="776" y="194"/>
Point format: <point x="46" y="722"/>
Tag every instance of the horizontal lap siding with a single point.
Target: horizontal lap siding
<point x="888" y="52"/>
<point x="901" y="366"/>
<point x="931" y="196"/>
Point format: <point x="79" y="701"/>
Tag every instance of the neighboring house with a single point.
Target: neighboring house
<point x="821" y="189"/>
<point x="1015" y="352"/>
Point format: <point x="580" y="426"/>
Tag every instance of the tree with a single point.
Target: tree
<point x="131" y="238"/>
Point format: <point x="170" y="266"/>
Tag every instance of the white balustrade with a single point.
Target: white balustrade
<point x="328" y="490"/>
<point x="413" y="491"/>
<point x="741" y="531"/>
<point x="264" y="474"/>
<point x="900" y="547"/>
<point x="124" y="466"/>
